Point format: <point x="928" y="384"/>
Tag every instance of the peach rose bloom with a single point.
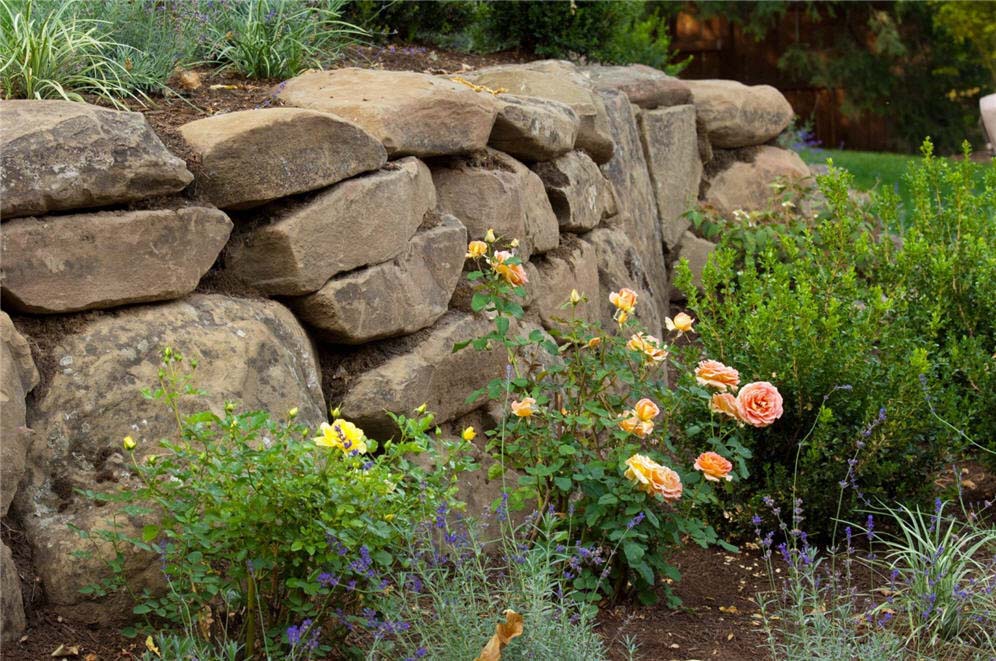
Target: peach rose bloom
<point x="624" y="300"/>
<point x="714" y="467"/>
<point x="760" y="404"/>
<point x="633" y="425"/>
<point x="716" y="374"/>
<point x="514" y="274"/>
<point x="681" y="323"/>
<point x="652" y="478"/>
<point x="646" y="410"/>
<point x="649" y="345"/>
<point x="525" y="408"/>
<point x="725" y="403"/>
<point x="477" y="249"/>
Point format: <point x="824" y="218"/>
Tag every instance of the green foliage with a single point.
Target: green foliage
<point x="973" y="23"/>
<point x="873" y="334"/>
<point x="49" y="52"/>
<point x="248" y="514"/>
<point x="572" y="432"/>
<point x="448" y="23"/>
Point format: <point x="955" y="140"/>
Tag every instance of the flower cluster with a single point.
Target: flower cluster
<point x="757" y="404"/>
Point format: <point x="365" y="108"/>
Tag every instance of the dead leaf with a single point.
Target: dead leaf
<point x="204" y="622"/>
<point x="151" y="646"/>
<point x="732" y="610"/>
<point x="504" y="632"/>
<point x="91" y="657"/>
<point x="63" y="651"/>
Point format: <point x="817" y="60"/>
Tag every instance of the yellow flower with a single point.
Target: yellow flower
<point x="128" y="443"/>
<point x="649" y="345"/>
<point x="477" y="249"/>
<point x="653" y="478"/>
<point x="469" y="434"/>
<point x="681" y="323"/>
<point x="594" y="342"/>
<point x="342" y="434"/>
<point x="646" y="410"/>
<point x="624" y="300"/>
<point x="525" y="408"/>
<point x="292" y="413"/>
<point x="575" y="297"/>
<point x="514" y="243"/>
<point x="632" y="424"/>
<point x="490" y="236"/>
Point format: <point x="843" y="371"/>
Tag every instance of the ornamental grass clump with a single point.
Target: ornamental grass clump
<point x="589" y="431"/>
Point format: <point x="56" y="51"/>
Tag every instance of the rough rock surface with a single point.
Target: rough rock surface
<point x="556" y="83"/>
<point x="18" y="377"/>
<point x="253" y="156"/>
<point x="361" y="221"/>
<point x="574" y="265"/>
<point x="12" y="620"/>
<point x="533" y="129"/>
<point x="747" y="185"/>
<point x="737" y="115"/>
<point x="420" y="368"/>
<point x="619" y="266"/>
<point x="101" y="260"/>
<point x="580" y="194"/>
<point x="493" y="190"/>
<point x="672" y="151"/>
<point x="696" y="250"/>
<point x="410" y="113"/>
<point x="398" y="297"/>
<point x="58" y="155"/>
<point x="250" y="351"/>
<point x="644" y="86"/>
<point x="638" y="216"/>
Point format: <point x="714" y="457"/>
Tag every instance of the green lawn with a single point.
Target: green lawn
<point x="871" y="169"/>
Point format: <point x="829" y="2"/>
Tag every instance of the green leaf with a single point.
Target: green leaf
<point x="608" y="499"/>
<point x="634" y="554"/>
<point x="563" y="483"/>
<point x="479" y="301"/>
<point x="141" y="609"/>
<point x="149" y="533"/>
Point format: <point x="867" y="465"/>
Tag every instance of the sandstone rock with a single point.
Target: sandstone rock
<point x="101" y="260"/>
<point x="644" y="86"/>
<point x="638" y="215"/>
<point x="253" y="156"/>
<point x="58" y="155"/>
<point x="357" y="222"/>
<point x="18" y="377"/>
<point x="574" y="265"/>
<point x="400" y="375"/>
<point x="394" y="298"/>
<point x="620" y="265"/>
<point x="410" y="113"/>
<point x="493" y="190"/>
<point x="581" y="196"/>
<point x="736" y="115"/>
<point x="696" y="250"/>
<point x="556" y="83"/>
<point x="747" y="186"/>
<point x="250" y="351"/>
<point x="533" y="129"/>
<point x="671" y="146"/>
<point x="12" y="620"/>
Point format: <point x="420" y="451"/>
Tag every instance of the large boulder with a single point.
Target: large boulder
<point x="58" y="155"/>
<point x="253" y="156"/>
<point x="638" y="216"/>
<point x="644" y="86"/>
<point x="18" y="377"/>
<point x="492" y="190"/>
<point x="402" y="374"/>
<point x="556" y="82"/>
<point x="735" y="115"/>
<point x="358" y="222"/>
<point x="12" y="621"/>
<point x="747" y="184"/>
<point x="249" y="351"/>
<point x="101" y="260"/>
<point x="574" y="265"/>
<point x="398" y="297"/>
<point x="672" y="150"/>
<point x="410" y="113"/>
<point x="580" y="194"/>
<point x="620" y="266"/>
<point x="533" y="129"/>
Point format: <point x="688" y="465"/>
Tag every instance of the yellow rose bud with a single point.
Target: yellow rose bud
<point x="490" y="236"/>
<point x="514" y="243"/>
<point x="469" y="434"/>
<point x="292" y="413"/>
<point x="575" y="297"/>
<point x="476" y="249"/>
<point x="336" y="413"/>
<point x="129" y="443"/>
<point x="421" y="409"/>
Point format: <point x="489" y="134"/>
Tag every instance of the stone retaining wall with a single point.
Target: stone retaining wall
<point x="317" y="255"/>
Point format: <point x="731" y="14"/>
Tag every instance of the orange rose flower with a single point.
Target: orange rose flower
<point x="624" y="300"/>
<point x="653" y="478"/>
<point x="716" y="374"/>
<point x="714" y="467"/>
<point x="760" y="404"/>
<point x="681" y="323"/>
<point x="725" y="403"/>
<point x="594" y="342"/>
<point x="477" y="249"/>
<point x="633" y="425"/>
<point x="646" y="410"/>
<point x="648" y="345"/>
<point x="514" y="274"/>
<point x="525" y="408"/>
